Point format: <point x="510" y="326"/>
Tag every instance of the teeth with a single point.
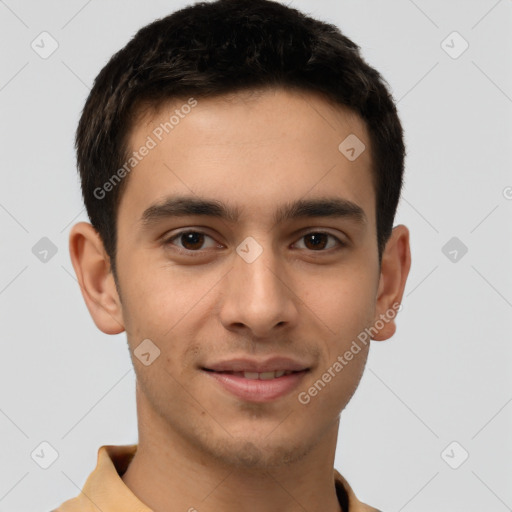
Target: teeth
<point x="266" y="375"/>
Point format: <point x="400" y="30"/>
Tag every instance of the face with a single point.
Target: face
<point x="229" y="299"/>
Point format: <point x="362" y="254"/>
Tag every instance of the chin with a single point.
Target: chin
<point x="262" y="446"/>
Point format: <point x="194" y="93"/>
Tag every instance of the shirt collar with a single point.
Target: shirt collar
<point x="105" y="490"/>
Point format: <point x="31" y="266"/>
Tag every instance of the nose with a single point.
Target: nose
<point x="259" y="296"/>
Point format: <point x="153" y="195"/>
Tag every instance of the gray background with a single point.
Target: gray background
<point x="442" y="378"/>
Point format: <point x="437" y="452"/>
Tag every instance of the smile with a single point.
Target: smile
<point x="255" y="386"/>
<point x="260" y="376"/>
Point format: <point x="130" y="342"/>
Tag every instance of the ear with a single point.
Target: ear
<point x="92" y="268"/>
<point x="396" y="262"/>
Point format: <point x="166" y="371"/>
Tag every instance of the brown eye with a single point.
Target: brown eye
<point x="318" y="241"/>
<point x="192" y="240"/>
<point x="189" y="241"/>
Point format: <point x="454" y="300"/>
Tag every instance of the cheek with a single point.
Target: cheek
<point x="160" y="302"/>
<point x="342" y="302"/>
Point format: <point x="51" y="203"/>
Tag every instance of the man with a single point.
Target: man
<point x="241" y="166"/>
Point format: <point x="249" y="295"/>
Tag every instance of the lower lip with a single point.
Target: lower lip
<point x="256" y="390"/>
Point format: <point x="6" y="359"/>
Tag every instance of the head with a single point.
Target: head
<point x="241" y="167"/>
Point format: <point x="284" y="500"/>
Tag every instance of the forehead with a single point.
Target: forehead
<point x="254" y="150"/>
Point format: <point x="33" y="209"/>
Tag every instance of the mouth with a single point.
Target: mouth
<point x="257" y="386"/>
<point x="256" y="375"/>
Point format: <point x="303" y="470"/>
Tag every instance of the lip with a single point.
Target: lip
<point x="256" y="390"/>
<point x="271" y="364"/>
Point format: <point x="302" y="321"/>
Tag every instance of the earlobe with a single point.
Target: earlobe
<point x="92" y="268"/>
<point x="396" y="263"/>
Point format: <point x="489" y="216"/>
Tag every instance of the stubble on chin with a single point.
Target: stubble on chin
<point x="259" y="455"/>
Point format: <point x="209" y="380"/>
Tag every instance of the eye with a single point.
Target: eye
<point x="192" y="241"/>
<point x="318" y="240"/>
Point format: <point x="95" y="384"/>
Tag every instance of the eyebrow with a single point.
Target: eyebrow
<point x="183" y="206"/>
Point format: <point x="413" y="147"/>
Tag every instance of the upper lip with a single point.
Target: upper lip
<point x="271" y="364"/>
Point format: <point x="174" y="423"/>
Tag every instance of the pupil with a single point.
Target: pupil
<point x="193" y="238"/>
<point x="317" y="238"/>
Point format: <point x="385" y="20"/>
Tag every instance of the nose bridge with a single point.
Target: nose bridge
<point x="259" y="273"/>
<point x="256" y="297"/>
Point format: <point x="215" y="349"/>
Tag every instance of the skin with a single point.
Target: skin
<point x="200" y="446"/>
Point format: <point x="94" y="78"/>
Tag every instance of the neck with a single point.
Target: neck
<point x="168" y="474"/>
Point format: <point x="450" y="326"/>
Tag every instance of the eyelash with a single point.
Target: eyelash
<point x="188" y="252"/>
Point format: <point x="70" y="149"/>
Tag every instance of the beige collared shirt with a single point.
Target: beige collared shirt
<point x="105" y="490"/>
